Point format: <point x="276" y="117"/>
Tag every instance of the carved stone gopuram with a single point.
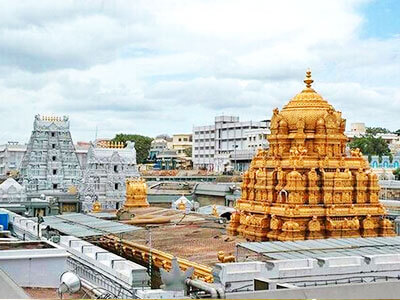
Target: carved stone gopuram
<point x="306" y="186"/>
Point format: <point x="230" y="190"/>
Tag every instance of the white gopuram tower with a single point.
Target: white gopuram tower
<point x="108" y="166"/>
<point x="50" y="162"/>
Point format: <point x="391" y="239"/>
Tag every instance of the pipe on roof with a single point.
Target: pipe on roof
<point x="215" y="292"/>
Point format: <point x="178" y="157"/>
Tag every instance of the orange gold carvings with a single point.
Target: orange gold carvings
<point x="136" y="193"/>
<point x="306" y="186"/>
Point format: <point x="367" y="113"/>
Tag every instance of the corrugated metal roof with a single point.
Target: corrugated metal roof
<point x="82" y="225"/>
<point x="325" y="247"/>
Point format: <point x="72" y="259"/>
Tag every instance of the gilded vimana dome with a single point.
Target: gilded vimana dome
<point x="305" y="186"/>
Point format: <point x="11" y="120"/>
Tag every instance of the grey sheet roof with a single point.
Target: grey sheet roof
<point x="325" y="248"/>
<point x="81" y="225"/>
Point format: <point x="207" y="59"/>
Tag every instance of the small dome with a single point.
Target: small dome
<point x="305" y="109"/>
<point x="307" y="105"/>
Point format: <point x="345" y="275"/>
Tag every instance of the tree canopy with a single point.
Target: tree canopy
<point x="188" y="152"/>
<point x="375" y="130"/>
<point x="396" y="174"/>
<point x="142" y="144"/>
<point x="370" y="145"/>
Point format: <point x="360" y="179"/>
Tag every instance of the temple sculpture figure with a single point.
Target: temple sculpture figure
<point x="306" y="186"/>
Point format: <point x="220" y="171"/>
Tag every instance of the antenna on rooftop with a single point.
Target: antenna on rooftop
<point x="95" y="135"/>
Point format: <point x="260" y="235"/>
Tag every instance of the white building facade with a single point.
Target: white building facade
<point x="213" y="144"/>
<point x="104" y="177"/>
<point x="11" y="155"/>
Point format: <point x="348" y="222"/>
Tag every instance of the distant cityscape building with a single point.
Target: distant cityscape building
<point x="50" y="162"/>
<point x="11" y="155"/>
<point x="157" y="145"/>
<point x="108" y="166"/>
<point x="359" y="129"/>
<point x="256" y="138"/>
<point x="213" y="144"/>
<point x="384" y="162"/>
<point x="181" y="142"/>
<point x="171" y="154"/>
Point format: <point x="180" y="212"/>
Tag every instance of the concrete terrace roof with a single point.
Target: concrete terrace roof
<point x="9" y="289"/>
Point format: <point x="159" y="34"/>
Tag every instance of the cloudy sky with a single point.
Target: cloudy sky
<point x="152" y="67"/>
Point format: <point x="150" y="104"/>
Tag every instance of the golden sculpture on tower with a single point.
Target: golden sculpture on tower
<point x="306" y="186"/>
<point x="136" y="193"/>
<point x="96" y="207"/>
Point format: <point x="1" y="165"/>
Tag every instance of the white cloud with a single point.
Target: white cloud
<point x="162" y="66"/>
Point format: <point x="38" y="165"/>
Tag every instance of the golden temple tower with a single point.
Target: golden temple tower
<point x="306" y="186"/>
<point x="136" y="193"/>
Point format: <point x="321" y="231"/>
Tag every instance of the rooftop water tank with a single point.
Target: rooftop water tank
<point x="4" y="220"/>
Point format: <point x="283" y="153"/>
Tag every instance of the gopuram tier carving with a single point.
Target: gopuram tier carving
<point x="306" y="186"/>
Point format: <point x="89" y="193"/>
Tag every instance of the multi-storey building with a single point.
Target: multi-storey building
<point x="157" y="145"/>
<point x="108" y="166"/>
<point x="11" y="155"/>
<point x="213" y="144"/>
<point x="255" y="139"/>
<point x="50" y="162"/>
<point x="181" y="142"/>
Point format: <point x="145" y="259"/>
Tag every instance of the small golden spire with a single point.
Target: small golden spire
<point x="308" y="80"/>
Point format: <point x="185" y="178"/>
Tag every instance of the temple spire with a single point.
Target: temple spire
<point x="308" y="80"/>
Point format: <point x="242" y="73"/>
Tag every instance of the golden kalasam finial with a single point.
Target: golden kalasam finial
<point x="308" y="80"/>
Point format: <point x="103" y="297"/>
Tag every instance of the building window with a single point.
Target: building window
<point x="116" y="169"/>
<point x="116" y="186"/>
<point x="53" y="146"/>
<point x="53" y="134"/>
<point x="54" y="172"/>
<point x="55" y="186"/>
<point x="54" y="158"/>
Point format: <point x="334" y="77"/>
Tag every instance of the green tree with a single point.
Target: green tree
<point x="370" y="145"/>
<point x="375" y="130"/>
<point x="396" y="174"/>
<point x="397" y="132"/>
<point x="188" y="151"/>
<point x="142" y="144"/>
